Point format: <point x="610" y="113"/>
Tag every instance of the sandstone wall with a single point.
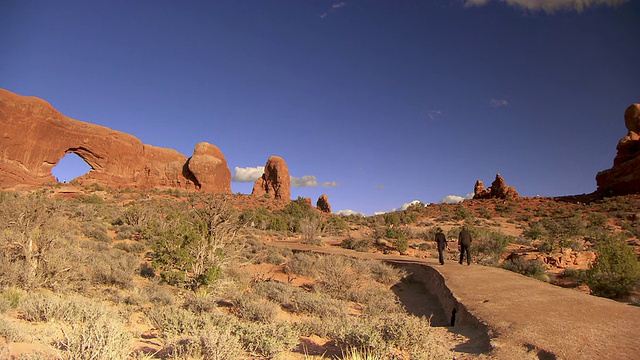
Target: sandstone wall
<point x="35" y="136"/>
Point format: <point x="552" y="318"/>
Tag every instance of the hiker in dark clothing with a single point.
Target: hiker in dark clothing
<point x="464" y="241"/>
<point x="441" y="240"/>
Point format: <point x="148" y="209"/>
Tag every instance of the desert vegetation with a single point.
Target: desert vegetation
<point x="92" y="276"/>
<point x="108" y="274"/>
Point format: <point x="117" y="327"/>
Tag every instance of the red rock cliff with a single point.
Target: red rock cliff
<point x="624" y="177"/>
<point x="35" y="136"/>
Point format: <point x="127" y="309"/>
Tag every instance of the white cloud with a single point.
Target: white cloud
<point x="347" y="212"/>
<point x="333" y="8"/>
<point x="330" y="184"/>
<point x="550" y="6"/>
<point x="380" y="212"/>
<point x="496" y="103"/>
<point x="434" y="114"/>
<point x="305" y="181"/>
<point x="248" y="174"/>
<point x="454" y="199"/>
<point x="405" y="206"/>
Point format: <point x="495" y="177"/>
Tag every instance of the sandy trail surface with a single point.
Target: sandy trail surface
<point x="504" y="315"/>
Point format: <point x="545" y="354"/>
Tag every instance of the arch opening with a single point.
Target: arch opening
<point x="70" y="167"/>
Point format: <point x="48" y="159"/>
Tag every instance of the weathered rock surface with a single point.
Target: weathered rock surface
<point x="275" y="180"/>
<point x="323" y="203"/>
<point x="624" y="177"/>
<point x="35" y="136"/>
<point x="209" y="167"/>
<point x="498" y="190"/>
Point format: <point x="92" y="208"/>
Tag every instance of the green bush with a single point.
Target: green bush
<point x="527" y="267"/>
<point x="615" y="272"/>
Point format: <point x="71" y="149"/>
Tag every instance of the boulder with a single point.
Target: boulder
<point x="624" y="177"/>
<point x="35" y="136"/>
<point x="323" y="204"/>
<point x="498" y="190"/>
<point x="275" y="180"/>
<point x="210" y="169"/>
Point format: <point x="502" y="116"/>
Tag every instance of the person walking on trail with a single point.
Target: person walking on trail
<point x="464" y="242"/>
<point x="441" y="240"/>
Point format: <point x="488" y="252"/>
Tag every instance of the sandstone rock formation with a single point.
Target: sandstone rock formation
<point x="323" y="204"/>
<point x="624" y="177"/>
<point x="275" y="180"/>
<point x="35" y="136"/>
<point x="498" y="189"/>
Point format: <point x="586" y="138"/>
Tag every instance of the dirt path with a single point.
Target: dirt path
<point x="509" y="316"/>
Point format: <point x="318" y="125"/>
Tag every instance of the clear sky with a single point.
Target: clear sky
<point x="374" y="103"/>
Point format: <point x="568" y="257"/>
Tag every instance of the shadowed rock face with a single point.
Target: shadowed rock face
<point x="624" y="177"/>
<point x="275" y="180"/>
<point x="323" y="203"/>
<point x="35" y="136"/>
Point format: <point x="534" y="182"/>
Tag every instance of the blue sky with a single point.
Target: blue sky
<point x="374" y="103"/>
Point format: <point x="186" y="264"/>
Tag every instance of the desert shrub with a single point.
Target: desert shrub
<point x="554" y="231"/>
<point x="114" y="268"/>
<point x="462" y="213"/>
<point x="303" y="264"/>
<point x="318" y="304"/>
<point x="338" y="277"/>
<point x="173" y="321"/>
<point x="10" y="332"/>
<point x="295" y="211"/>
<point x="89" y="199"/>
<point x="382" y="272"/>
<point x="12" y="296"/>
<point x="158" y="294"/>
<point x="274" y="256"/>
<point x="527" y="267"/>
<point x="401" y="243"/>
<point x="131" y="247"/>
<point x="377" y="300"/>
<point x="310" y="229"/>
<point x="210" y="343"/>
<point x="38" y="307"/>
<point x="4" y="305"/>
<point x="615" y="272"/>
<point x="362" y="335"/>
<point x="199" y="301"/>
<point x="335" y="225"/>
<point x="103" y="338"/>
<point x="173" y="277"/>
<point x="596" y="220"/>
<point x="488" y="246"/>
<point x="125" y="232"/>
<point x="96" y="232"/>
<point x="255" y="308"/>
<point x="266" y="340"/>
<point x="363" y="245"/>
<point x="32" y="228"/>
<point x="281" y="293"/>
<point x="196" y="248"/>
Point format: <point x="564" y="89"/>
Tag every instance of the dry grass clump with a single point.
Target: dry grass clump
<point x="89" y="330"/>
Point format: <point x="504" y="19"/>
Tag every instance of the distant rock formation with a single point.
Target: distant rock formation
<point x="624" y="177"/>
<point x="498" y="190"/>
<point x="323" y="204"/>
<point x="35" y="136"/>
<point x="275" y="180"/>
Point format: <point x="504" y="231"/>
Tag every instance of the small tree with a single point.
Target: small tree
<point x="615" y="271"/>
